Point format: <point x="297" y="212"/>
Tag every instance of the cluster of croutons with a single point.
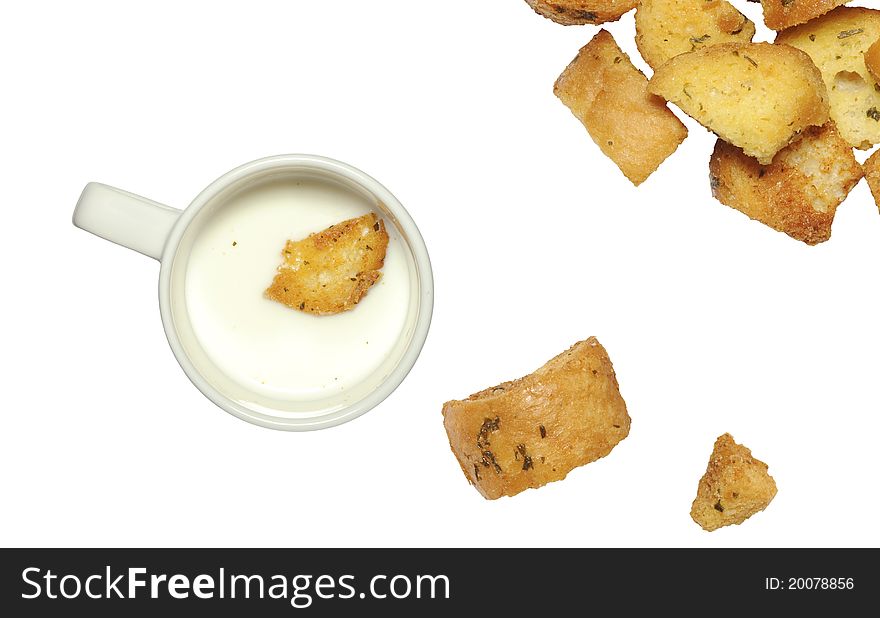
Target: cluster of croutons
<point x="787" y="114"/>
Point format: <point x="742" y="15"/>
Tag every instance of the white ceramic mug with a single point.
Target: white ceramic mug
<point x="167" y="234"/>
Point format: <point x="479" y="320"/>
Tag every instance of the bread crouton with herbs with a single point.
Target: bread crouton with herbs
<point x="757" y="96"/>
<point x="667" y="28"/>
<point x="799" y="192"/>
<point x="579" y="12"/>
<point x="782" y="14"/>
<point x="838" y="43"/>
<point x="532" y="431"/>
<point x="734" y="487"/>
<point x="331" y="271"/>
<point x="609" y="95"/>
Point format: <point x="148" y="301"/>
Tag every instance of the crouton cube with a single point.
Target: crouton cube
<point x="609" y="96"/>
<point x="782" y="14"/>
<point x="331" y="271"/>
<point x="532" y="431"/>
<point x="798" y="193"/>
<point x="837" y="43"/>
<point x="667" y="28"/>
<point x="872" y="175"/>
<point x="756" y="96"/>
<point x="577" y="12"/>
<point x="735" y="486"/>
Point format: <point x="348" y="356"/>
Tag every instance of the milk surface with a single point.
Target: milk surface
<point x="263" y="345"/>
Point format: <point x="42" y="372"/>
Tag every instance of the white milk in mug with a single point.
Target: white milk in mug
<point x="264" y="346"/>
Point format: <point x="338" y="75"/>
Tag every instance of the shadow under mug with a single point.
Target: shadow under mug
<point x="167" y="234"/>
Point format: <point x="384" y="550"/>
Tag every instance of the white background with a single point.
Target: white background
<point x="714" y="323"/>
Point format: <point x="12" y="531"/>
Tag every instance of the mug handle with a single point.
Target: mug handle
<point x="125" y="218"/>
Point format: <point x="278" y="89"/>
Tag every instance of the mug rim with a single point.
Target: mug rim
<point x="416" y="244"/>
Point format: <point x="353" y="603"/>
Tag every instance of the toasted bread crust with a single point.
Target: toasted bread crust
<point x="667" y="28"/>
<point x="756" y="96"/>
<point x="535" y="430"/>
<point x="609" y="96"/>
<point x="872" y="175"/>
<point x="331" y="271"/>
<point x="837" y="43"/>
<point x="734" y="487"/>
<point x="579" y="12"/>
<point x="782" y="14"/>
<point x="798" y="193"/>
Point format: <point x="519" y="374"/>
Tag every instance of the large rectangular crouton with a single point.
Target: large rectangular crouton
<point x="609" y="96"/>
<point x="799" y="192"/>
<point x="757" y="96"/>
<point x="535" y="430"/>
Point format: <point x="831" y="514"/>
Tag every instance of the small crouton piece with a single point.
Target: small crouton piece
<point x="578" y="12"/>
<point x="872" y="175"/>
<point x="782" y="14"/>
<point x="756" y="96"/>
<point x="667" y="28"/>
<point x="735" y="486"/>
<point x="837" y="43"/>
<point x="535" y="430"/>
<point x="872" y="61"/>
<point x="609" y="96"/>
<point x="798" y="193"/>
<point x="331" y="271"/>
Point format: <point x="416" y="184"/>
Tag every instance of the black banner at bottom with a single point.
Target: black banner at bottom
<point x="333" y="582"/>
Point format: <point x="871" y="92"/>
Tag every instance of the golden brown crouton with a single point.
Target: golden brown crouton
<point x="872" y="175"/>
<point x="576" y="12"/>
<point x="609" y="96"/>
<point x="837" y="43"/>
<point x="535" y="430"/>
<point x="331" y="271"/>
<point x="872" y="61"/>
<point x="667" y="28"/>
<point x="753" y="95"/>
<point x="781" y="14"/>
<point x="735" y="486"/>
<point x="798" y="193"/>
